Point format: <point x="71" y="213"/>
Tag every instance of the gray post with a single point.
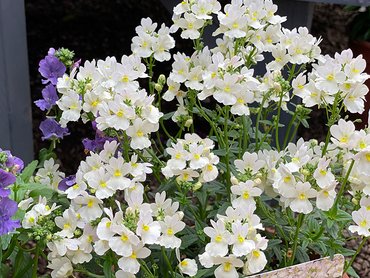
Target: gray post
<point x="15" y="101"/>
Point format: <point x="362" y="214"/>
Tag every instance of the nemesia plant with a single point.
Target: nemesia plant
<point x="211" y="188"/>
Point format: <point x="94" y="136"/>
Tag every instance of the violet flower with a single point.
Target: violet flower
<point x="6" y="179"/>
<point x="51" y="69"/>
<point x="51" y="129"/>
<point x="7" y="210"/>
<point x="50" y="97"/>
<point x="67" y="182"/>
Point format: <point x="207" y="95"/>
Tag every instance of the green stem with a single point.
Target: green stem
<point x="146" y="269"/>
<point x="295" y="244"/>
<point x="286" y="137"/>
<point x="89" y="274"/>
<point x="364" y="240"/>
<point x="277" y="121"/>
<point x="167" y="260"/>
<point x="227" y="155"/>
<point x="334" y="209"/>
<point x="35" y="262"/>
<point x="258" y="123"/>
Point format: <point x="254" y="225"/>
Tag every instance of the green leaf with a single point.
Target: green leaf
<point x="29" y="170"/>
<point x="167" y="116"/>
<point x="205" y="273"/>
<point x="343" y="216"/>
<point x="352" y="272"/>
<point x="188" y="240"/>
<point x="45" y="192"/>
<point x="5" y="240"/>
<point x="302" y="255"/>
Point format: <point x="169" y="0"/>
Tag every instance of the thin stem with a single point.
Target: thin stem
<point x="295" y="244"/>
<point x="355" y="255"/>
<point x="167" y="260"/>
<point x="277" y="121"/>
<point x="227" y="153"/>
<point x="334" y="209"/>
<point x="286" y="137"/>
<point x="89" y="273"/>
<point x="35" y="262"/>
<point x="146" y="268"/>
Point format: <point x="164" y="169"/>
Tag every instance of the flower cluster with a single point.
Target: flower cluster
<point x="10" y="167"/>
<point x="51" y="68"/>
<point x="149" y="43"/>
<point x="108" y="92"/>
<point x="235" y="241"/>
<point x="333" y="80"/>
<point x="126" y="227"/>
<point x="192" y="158"/>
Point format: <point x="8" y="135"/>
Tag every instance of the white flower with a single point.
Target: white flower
<point x="190" y="26"/>
<point x="227" y="268"/>
<point x="139" y="133"/>
<point x="70" y="104"/>
<point x="170" y="226"/>
<point x="147" y="229"/>
<point x="67" y="223"/>
<point x="362" y="220"/>
<point x="220" y="239"/>
<point x="343" y="133"/>
<point x="323" y="176"/>
<point x="241" y="244"/>
<point x="256" y="260"/>
<point x="124" y="243"/>
<point x="98" y="180"/>
<point x="246" y="191"/>
<point x="130" y="263"/>
<point x="61" y="267"/>
<point x="90" y="207"/>
<point x="249" y="163"/>
<point x="186" y="266"/>
<point x="300" y="196"/>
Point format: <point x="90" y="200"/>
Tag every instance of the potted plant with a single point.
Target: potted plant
<point x="212" y="196"/>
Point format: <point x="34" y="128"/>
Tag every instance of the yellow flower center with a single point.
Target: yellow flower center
<point x="120" y="113"/>
<point x="323" y="172"/>
<point x="184" y="263"/>
<point x="76" y="186"/>
<point x="145" y="228"/>
<point x="66" y="226"/>
<point x="124" y="237"/>
<point x="95" y="103"/>
<point x="367" y="156"/>
<point x="31" y="219"/>
<point x="330" y="77"/>
<point x="363" y="223"/>
<point x="218" y="238"/>
<point x="362" y="145"/>
<point x="227" y="89"/>
<point x="209" y="167"/>
<point x="227" y="266"/>
<point x="245" y="195"/>
<point x="344" y="139"/>
<point x="90" y="203"/>
<point x="302" y="196"/>
<point x="133" y="255"/>
<point x="117" y="173"/>
<point x="103" y="184"/>
<point x="108" y="224"/>
<point x="125" y="79"/>
<point x="326" y="193"/>
<point x="169" y="232"/>
<point x="196" y="156"/>
<point x="287" y="179"/>
<point x="139" y="133"/>
<point x="241" y="239"/>
<point x="235" y="25"/>
<point x="256" y="254"/>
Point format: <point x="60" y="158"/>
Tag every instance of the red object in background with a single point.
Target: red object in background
<point x="362" y="47"/>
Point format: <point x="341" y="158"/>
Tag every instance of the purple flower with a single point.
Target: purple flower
<point x="51" y="51"/>
<point x="67" y="182"/>
<point x="51" y="129"/>
<point x="51" y="68"/>
<point x="6" y="178"/>
<point x="49" y="95"/>
<point x="7" y="210"/>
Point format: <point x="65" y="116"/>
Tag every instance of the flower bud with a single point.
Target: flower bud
<point x="355" y="201"/>
<point x="162" y="79"/>
<point x="257" y="181"/>
<point x="158" y="87"/>
<point x="188" y="122"/>
<point x="234" y="180"/>
<point x="197" y="186"/>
